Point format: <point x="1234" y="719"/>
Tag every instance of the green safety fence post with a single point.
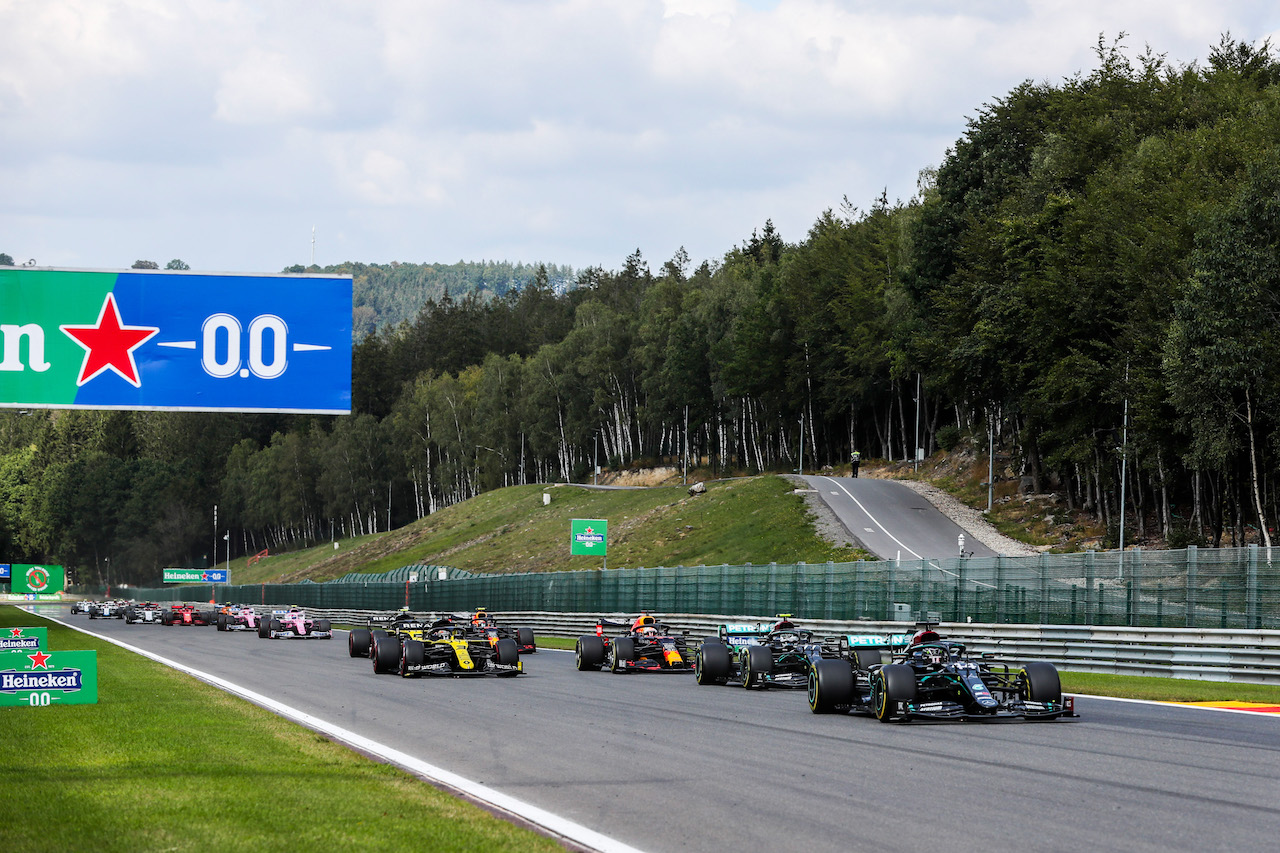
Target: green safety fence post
<point x="1251" y="590"/>
<point x="1191" y="556"/>
<point x="1088" y="587"/>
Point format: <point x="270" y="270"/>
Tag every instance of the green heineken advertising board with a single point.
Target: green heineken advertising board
<point x="38" y="679"/>
<point x="28" y="578"/>
<point x="589" y="537"/>
<point x="23" y="639"/>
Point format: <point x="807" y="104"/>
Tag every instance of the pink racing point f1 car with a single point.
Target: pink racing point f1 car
<point x="293" y="623"/>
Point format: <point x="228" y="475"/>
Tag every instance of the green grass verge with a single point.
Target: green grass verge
<point x="1168" y="689"/>
<point x="750" y="520"/>
<point x="166" y="762"/>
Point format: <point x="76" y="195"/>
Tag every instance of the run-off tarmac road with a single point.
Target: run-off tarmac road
<point x="659" y="763"/>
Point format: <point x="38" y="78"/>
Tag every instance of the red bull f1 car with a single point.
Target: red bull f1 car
<point x="900" y="677"/>
<point x="643" y="645"/>
<point x="484" y="625"/>
<point x="759" y="655"/>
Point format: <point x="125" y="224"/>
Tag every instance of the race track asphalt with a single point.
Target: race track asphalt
<point x="891" y="521"/>
<point x="659" y="763"/>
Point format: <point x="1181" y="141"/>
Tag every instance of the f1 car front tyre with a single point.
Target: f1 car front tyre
<point x="412" y="654"/>
<point x="622" y="649"/>
<point x="830" y="686"/>
<point x="589" y="653"/>
<point x="892" y="685"/>
<point x="711" y="666"/>
<point x="358" y="642"/>
<point x="758" y="663"/>
<point x="322" y="626"/>
<point x="264" y="626"/>
<point x="1040" y="682"/>
<point x="507" y="652"/>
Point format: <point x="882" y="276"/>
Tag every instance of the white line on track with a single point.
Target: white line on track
<point x="874" y="520"/>
<point x="548" y="821"/>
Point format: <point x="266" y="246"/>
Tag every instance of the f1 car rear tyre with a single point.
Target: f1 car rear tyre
<point x="868" y="657"/>
<point x="524" y="636"/>
<point x="507" y="652"/>
<point x="386" y="654"/>
<point x="758" y="664"/>
<point x="830" y="685"/>
<point x="374" y="634"/>
<point x="358" y="642"/>
<point x="1040" y="682"/>
<point x="589" y="653"/>
<point x="412" y="654"/>
<point x="622" y="649"/>
<point x="892" y="685"/>
<point x="711" y="666"/>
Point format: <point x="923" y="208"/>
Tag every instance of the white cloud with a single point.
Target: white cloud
<point x="571" y="131"/>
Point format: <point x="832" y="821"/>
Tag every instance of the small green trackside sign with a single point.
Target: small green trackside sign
<point x="41" y="678"/>
<point x="33" y="579"/>
<point x="589" y="537"/>
<point x="24" y="639"/>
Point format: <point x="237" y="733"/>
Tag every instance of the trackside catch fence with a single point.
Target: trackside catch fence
<point x="1224" y="588"/>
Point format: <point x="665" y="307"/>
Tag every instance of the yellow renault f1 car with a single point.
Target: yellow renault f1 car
<point x="415" y="647"/>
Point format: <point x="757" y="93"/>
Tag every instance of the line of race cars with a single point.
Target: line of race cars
<point x="893" y="677"/>
<point x="283" y="623"/>
<point x="450" y="645"/>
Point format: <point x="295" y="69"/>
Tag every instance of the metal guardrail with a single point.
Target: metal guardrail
<point x="1193" y="653"/>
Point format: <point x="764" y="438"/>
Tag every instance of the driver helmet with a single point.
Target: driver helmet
<point x="935" y="654"/>
<point x="925" y="636"/>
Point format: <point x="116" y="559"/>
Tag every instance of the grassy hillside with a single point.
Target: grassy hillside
<point x="752" y="520"/>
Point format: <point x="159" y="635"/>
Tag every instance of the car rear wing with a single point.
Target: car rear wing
<point x="850" y="641"/>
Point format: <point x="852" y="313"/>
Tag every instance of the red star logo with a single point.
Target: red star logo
<point x="39" y="660"/>
<point x="589" y="531"/>
<point x="15" y="632"/>
<point x="109" y="344"/>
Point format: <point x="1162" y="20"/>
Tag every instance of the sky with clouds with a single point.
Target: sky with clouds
<point x="221" y="132"/>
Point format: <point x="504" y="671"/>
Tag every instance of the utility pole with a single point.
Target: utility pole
<point x="991" y="457"/>
<point x="1124" y="465"/>
<point x="916" y="449"/>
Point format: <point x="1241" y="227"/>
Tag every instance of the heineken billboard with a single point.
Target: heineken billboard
<point x="23" y="639"/>
<point x="589" y="537"/>
<point x="42" y="678"/>
<point x="29" y="578"/>
<point x="174" y="341"/>
<point x="196" y="576"/>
